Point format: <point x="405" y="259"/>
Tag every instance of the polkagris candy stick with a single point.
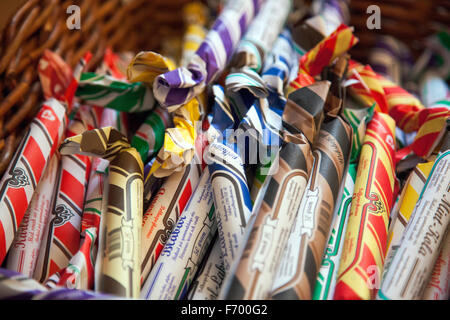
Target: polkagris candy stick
<point x="62" y="233"/>
<point x="179" y="141"/>
<point x="261" y="34"/>
<point x="413" y="262"/>
<point x="275" y="210"/>
<point x="297" y="273"/>
<point x="373" y="196"/>
<point x="406" y="203"/>
<point x="149" y="137"/>
<point x="38" y="145"/>
<point x="182" y="254"/>
<point x="163" y="213"/>
<point x="438" y="287"/>
<point x="179" y="86"/>
<point x="120" y="266"/>
<point x="231" y="198"/>
<point x="208" y="281"/>
<point x="109" y="92"/>
<point x="80" y="272"/>
<point x="228" y="178"/>
<point x="322" y="55"/>
<point x="326" y="278"/>
<point x="24" y="251"/>
<point x="275" y="76"/>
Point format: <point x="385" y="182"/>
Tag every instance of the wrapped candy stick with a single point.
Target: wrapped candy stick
<point x="62" y="234"/>
<point x="148" y="139"/>
<point x="179" y="86"/>
<point x="313" y="62"/>
<point x="438" y="288"/>
<point x="228" y="178"/>
<point x="16" y="286"/>
<point x="120" y="264"/>
<point x="373" y="197"/>
<point x="308" y="238"/>
<point x="252" y="276"/>
<point x="413" y="262"/>
<point x="402" y="213"/>
<point x="333" y="12"/>
<point x="261" y="35"/>
<point x="24" y="251"/>
<point x="408" y="112"/>
<point x="38" y="145"/>
<point x="80" y="271"/>
<point x="179" y="141"/>
<point x="275" y="76"/>
<point x="163" y="213"/>
<point x="209" y="278"/>
<point x="109" y="92"/>
<point x="326" y="278"/>
<point x="182" y="254"/>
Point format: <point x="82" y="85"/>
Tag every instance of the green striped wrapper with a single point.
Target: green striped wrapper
<point x="358" y="119"/>
<point x="108" y="92"/>
<point x="326" y="279"/>
<point x="149" y="138"/>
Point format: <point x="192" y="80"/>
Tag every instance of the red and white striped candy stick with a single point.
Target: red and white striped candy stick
<point x="38" y="145"/>
<point x="79" y="274"/>
<point x="62" y="238"/>
<point x="24" y="251"/>
<point x="24" y="173"/>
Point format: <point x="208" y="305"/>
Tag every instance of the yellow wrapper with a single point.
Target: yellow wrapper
<point x="195" y="15"/>
<point x="179" y="142"/>
<point x="122" y="220"/>
<point x="407" y="202"/>
<point x="373" y="196"/>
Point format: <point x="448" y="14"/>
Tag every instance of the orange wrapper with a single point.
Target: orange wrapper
<point x="322" y="55"/>
<point x="373" y="197"/>
<point x="407" y="111"/>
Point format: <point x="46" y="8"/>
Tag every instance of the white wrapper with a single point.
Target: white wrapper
<point x="267" y="25"/>
<point x="208" y="282"/>
<point x="183" y="252"/>
<point x="438" y="287"/>
<point x="413" y="263"/>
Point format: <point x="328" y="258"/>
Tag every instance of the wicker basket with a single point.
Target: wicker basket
<point x="41" y="24"/>
<point x="135" y="25"/>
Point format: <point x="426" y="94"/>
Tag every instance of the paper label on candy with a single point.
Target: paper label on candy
<point x="229" y="203"/>
<point x="274" y="232"/>
<point x="266" y="241"/>
<point x="407" y="202"/>
<point x="24" y="251"/>
<point x="438" y="287"/>
<point x="162" y="214"/>
<point x="208" y="283"/>
<point x="414" y="260"/>
<point x="303" y="223"/>
<point x="179" y="260"/>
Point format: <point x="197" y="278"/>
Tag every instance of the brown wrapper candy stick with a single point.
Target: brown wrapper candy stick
<point x="120" y="269"/>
